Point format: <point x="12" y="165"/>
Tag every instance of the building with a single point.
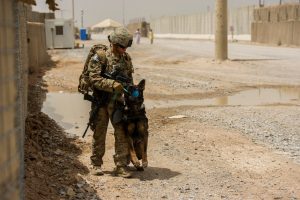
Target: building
<point x="59" y="33"/>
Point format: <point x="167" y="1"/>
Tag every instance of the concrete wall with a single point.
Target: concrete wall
<point x="143" y="26"/>
<point x="11" y="147"/>
<point x="23" y="10"/>
<point x="40" y="17"/>
<point x="279" y="25"/>
<point x="37" y="49"/>
<point x="14" y="59"/>
<point x="203" y="23"/>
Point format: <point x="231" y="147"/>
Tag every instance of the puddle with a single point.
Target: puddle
<point x="71" y="112"/>
<point x="254" y="97"/>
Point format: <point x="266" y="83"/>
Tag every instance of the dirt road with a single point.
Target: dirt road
<point x="238" y="138"/>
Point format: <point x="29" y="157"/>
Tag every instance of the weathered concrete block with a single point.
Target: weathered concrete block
<point x="298" y="12"/>
<point x="264" y="14"/>
<point x="278" y="33"/>
<point x="291" y="12"/>
<point x="254" y="32"/>
<point x="256" y="17"/>
<point x="285" y="33"/>
<point x="283" y="16"/>
<point x="274" y="14"/>
<point x="37" y="50"/>
<point x="296" y="33"/>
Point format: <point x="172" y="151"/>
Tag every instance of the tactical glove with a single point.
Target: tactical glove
<point x="117" y="87"/>
<point x="83" y="86"/>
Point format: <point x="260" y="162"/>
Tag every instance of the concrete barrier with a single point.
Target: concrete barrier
<point x="256" y="17"/>
<point x="264" y="14"/>
<point x="278" y="33"/>
<point x="36" y="45"/>
<point x="281" y="27"/>
<point x="292" y="12"/>
<point x="296" y="33"/>
<point x="298" y="12"/>
<point x="274" y="14"/>
<point x="203" y="23"/>
<point x="283" y="13"/>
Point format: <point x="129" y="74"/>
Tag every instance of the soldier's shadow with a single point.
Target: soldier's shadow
<point x="152" y="173"/>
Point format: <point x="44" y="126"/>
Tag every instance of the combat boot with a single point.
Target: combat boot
<point x="122" y="172"/>
<point x="97" y="171"/>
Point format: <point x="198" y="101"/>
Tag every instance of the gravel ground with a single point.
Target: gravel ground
<point x="215" y="152"/>
<point x="275" y="126"/>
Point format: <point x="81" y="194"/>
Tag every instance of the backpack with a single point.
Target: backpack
<point x="84" y="85"/>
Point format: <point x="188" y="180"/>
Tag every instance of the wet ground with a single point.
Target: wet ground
<point x="235" y="134"/>
<point x="61" y="106"/>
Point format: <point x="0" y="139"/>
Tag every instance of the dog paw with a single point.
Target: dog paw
<point x="145" y="164"/>
<point x="137" y="164"/>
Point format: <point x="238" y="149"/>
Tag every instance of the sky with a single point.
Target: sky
<point x="95" y="11"/>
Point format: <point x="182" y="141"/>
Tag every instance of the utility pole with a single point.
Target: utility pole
<point x="221" y="32"/>
<point x="123" y="12"/>
<point x="73" y="21"/>
<point x="73" y="11"/>
<point x="81" y="18"/>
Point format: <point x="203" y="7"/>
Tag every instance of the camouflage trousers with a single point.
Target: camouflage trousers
<point x="99" y="137"/>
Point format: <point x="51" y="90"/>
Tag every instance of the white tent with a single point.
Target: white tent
<point x="106" y="25"/>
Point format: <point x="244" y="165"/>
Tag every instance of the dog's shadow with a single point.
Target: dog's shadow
<point x="152" y="173"/>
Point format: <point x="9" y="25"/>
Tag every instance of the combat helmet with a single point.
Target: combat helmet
<point x="121" y="36"/>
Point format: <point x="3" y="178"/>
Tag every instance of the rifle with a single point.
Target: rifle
<point x="114" y="75"/>
<point x="94" y="111"/>
<point x="121" y="78"/>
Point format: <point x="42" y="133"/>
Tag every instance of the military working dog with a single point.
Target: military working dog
<point x="136" y="124"/>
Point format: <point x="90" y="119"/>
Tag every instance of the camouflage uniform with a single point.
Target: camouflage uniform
<point x="103" y="88"/>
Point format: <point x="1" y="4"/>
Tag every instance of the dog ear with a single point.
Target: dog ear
<point x="141" y="84"/>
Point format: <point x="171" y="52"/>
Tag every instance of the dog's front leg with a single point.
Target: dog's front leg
<point x="144" y="154"/>
<point x="133" y="156"/>
<point x="143" y="130"/>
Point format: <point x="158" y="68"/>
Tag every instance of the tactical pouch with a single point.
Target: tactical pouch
<point x="117" y="116"/>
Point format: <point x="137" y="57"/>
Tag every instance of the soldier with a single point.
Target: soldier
<point x="109" y="93"/>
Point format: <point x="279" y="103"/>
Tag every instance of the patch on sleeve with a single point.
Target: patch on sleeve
<point x="101" y="54"/>
<point x="96" y="58"/>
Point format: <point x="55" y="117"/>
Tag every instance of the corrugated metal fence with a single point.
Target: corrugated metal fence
<point x="11" y="105"/>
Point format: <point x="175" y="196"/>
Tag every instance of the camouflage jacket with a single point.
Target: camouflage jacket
<point x="106" y="60"/>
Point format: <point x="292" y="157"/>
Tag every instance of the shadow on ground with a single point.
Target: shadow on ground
<point x="252" y="59"/>
<point x="150" y="173"/>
